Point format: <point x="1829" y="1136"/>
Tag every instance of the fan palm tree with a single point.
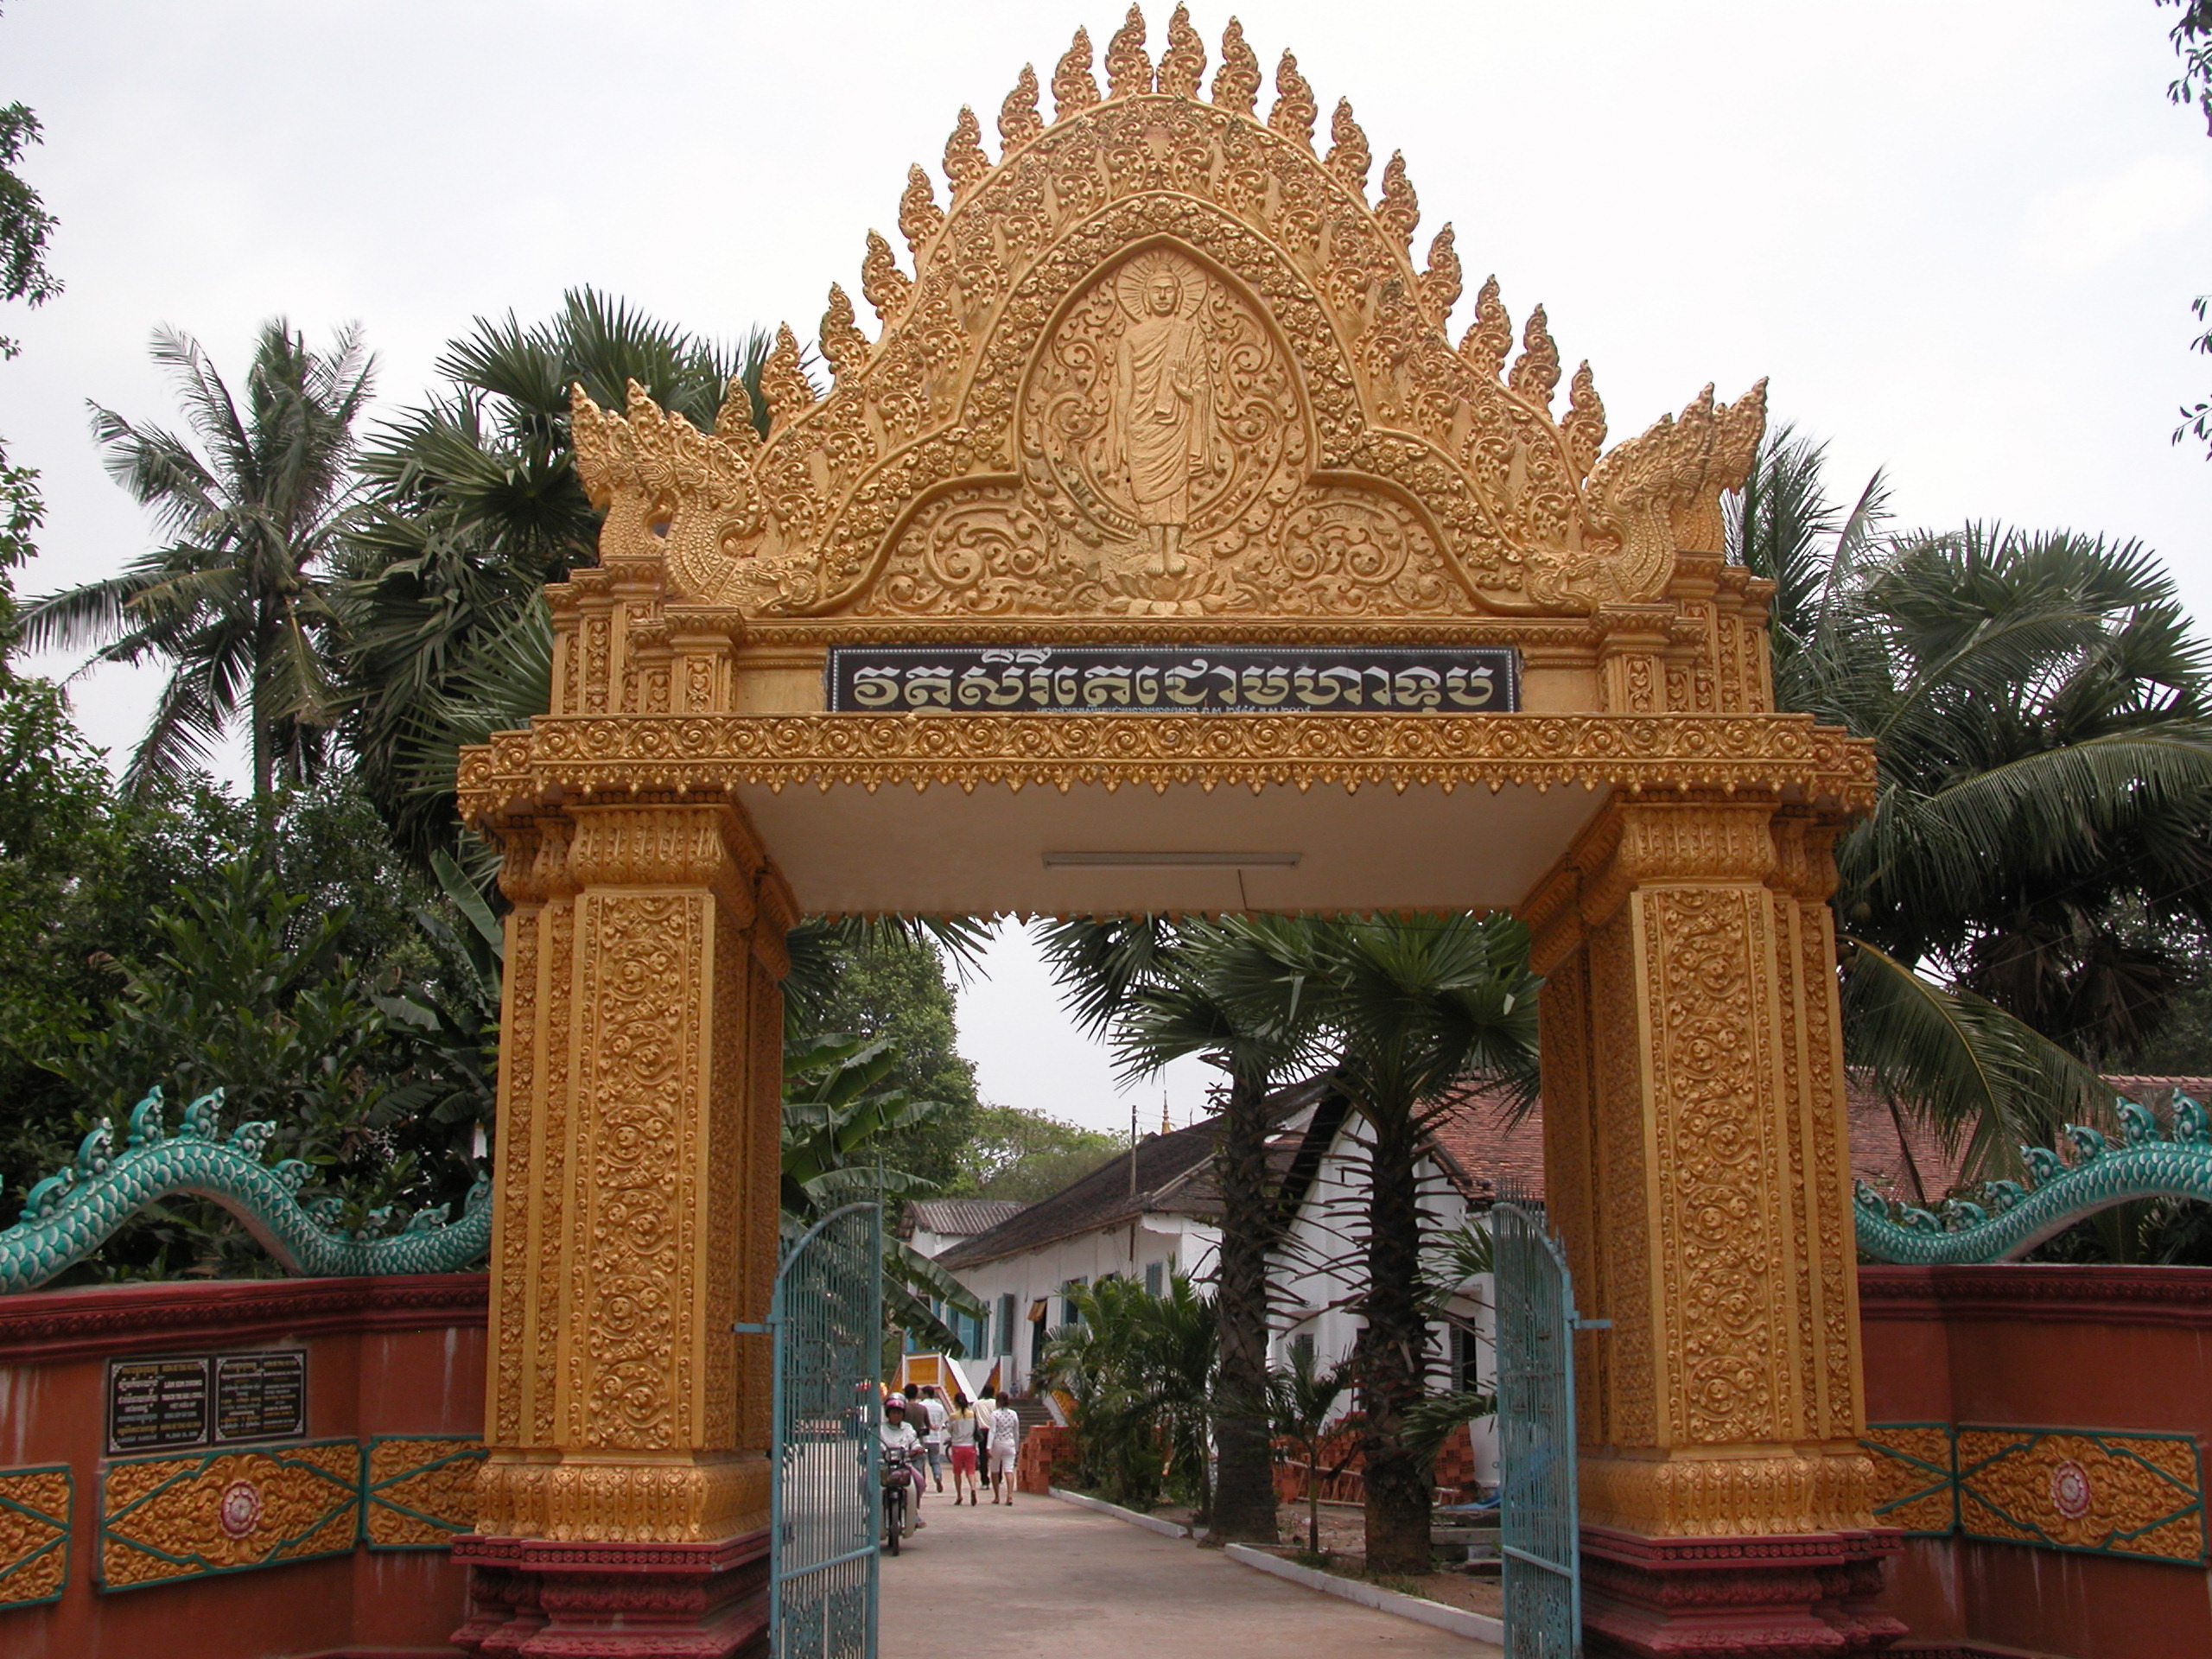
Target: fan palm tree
<point x="474" y="506"/>
<point x="1413" y="1007"/>
<point x="1159" y="987"/>
<point x="2039" y="706"/>
<point x="237" y="601"/>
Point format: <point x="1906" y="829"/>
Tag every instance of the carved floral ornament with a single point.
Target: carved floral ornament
<point x="1162" y="359"/>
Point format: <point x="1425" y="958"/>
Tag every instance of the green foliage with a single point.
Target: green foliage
<point x="474" y="505"/>
<point x="25" y="225"/>
<point x="1300" y="1398"/>
<point x="1012" y="1152"/>
<point x="843" y="1114"/>
<point x="2025" y="892"/>
<point x="236" y="602"/>
<point x="889" y="983"/>
<point x="1140" y="1369"/>
<point x="250" y="993"/>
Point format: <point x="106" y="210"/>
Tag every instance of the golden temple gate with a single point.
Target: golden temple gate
<point x="1164" y="382"/>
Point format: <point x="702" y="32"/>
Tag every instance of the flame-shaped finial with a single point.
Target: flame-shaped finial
<point x="1296" y="109"/>
<point x="735" y="421"/>
<point x="1441" y="284"/>
<point x="843" y="343"/>
<point x="1583" y="429"/>
<point x="1400" y="209"/>
<point x="965" y="163"/>
<point x="1129" y="71"/>
<point x="882" y="281"/>
<point x="1073" y="87"/>
<point x="1018" y="121"/>
<point x="1237" y="83"/>
<point x="1490" y="337"/>
<point x="1183" y="65"/>
<point x="1349" y="158"/>
<point x="784" y="385"/>
<point x="1535" y="372"/>
<point x="920" y="217"/>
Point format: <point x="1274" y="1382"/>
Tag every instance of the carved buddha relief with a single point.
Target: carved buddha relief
<point x="1153" y="422"/>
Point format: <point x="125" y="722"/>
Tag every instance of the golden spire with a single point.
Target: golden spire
<point x="1490" y="337"/>
<point x="1018" y="121"/>
<point x="1349" y="157"/>
<point x="1293" y="115"/>
<point x="1128" y="70"/>
<point x="1073" y="88"/>
<point x="964" y="161"/>
<point x="882" y="281"/>
<point x="1237" y="83"/>
<point x="843" y="343"/>
<point x="1400" y="209"/>
<point x="1183" y="65"/>
<point x="1583" y="429"/>
<point x="1536" y="373"/>
<point x="784" y="385"/>
<point x="733" y="420"/>
<point x="1441" y="284"/>
<point x="920" y="217"/>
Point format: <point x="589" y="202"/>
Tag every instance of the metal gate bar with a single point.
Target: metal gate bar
<point x="827" y="1318"/>
<point x="1538" y="1515"/>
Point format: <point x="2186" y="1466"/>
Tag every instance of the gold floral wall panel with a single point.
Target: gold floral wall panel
<point x="2113" y="1494"/>
<point x="1914" y="1477"/>
<point x="418" y="1490"/>
<point x="34" y="1535"/>
<point x="162" y="1519"/>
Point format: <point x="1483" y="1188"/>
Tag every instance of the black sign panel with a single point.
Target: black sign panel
<point x="153" y="1403"/>
<point x="1167" y="679"/>
<point x="156" y="1405"/>
<point x="261" y="1396"/>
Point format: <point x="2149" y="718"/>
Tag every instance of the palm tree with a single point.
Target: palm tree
<point x="1412" y="1005"/>
<point x="1300" y="1398"/>
<point x="1160" y="988"/>
<point x="2040" y="711"/>
<point x="237" y="600"/>
<point x="474" y="506"/>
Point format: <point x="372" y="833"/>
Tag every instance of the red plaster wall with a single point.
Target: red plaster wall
<point x="392" y="1356"/>
<point x="2046" y="1347"/>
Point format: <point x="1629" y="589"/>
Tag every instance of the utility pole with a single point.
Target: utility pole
<point x="1133" y="1148"/>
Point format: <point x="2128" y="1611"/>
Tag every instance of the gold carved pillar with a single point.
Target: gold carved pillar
<point x="640" y="1094"/>
<point x="1696" y="1159"/>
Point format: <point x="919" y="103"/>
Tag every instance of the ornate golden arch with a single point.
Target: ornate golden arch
<point x="1163" y="373"/>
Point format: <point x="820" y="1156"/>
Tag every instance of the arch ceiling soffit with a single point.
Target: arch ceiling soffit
<point x="1162" y="359"/>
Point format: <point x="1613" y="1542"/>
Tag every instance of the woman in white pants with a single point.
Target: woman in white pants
<point x="1005" y="1440"/>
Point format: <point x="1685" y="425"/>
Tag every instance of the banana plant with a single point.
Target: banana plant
<point x="834" y="1109"/>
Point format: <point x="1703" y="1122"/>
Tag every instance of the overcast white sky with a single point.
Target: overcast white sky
<point x="1961" y="238"/>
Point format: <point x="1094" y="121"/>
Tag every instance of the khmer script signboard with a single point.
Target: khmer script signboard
<point x="1167" y="679"/>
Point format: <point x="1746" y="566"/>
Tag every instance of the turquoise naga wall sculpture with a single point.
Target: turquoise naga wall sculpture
<point x="71" y="1214"/>
<point x="2011" y="1219"/>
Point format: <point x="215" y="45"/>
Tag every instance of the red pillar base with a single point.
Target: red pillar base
<point x="534" y="1598"/>
<point x="1776" y="1598"/>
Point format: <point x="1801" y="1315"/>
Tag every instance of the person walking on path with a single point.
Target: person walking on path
<point x="1005" y="1440"/>
<point x="938" y="1435"/>
<point x="961" y="1445"/>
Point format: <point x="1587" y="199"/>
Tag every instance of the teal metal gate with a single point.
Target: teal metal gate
<point x="827" y="1514"/>
<point x="1539" y="1520"/>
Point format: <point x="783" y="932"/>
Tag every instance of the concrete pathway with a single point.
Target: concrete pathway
<point x="1046" y="1580"/>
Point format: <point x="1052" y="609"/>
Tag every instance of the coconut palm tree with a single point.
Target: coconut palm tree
<point x="1159" y="987"/>
<point x="236" y="602"/>
<point x="1412" y="1006"/>
<point x="2038" y="841"/>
